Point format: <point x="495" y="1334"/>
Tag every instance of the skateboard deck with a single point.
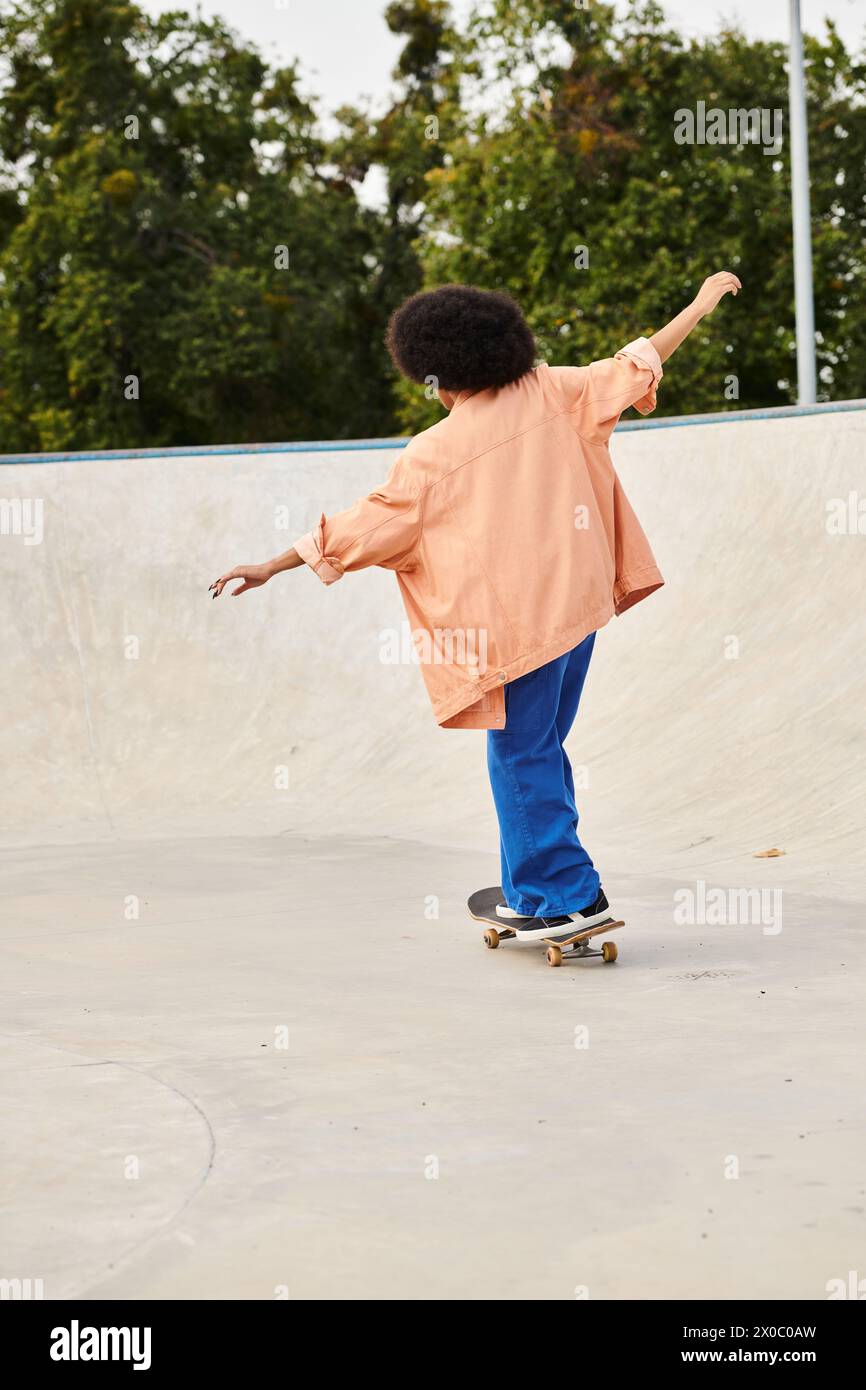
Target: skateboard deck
<point x="564" y="945"/>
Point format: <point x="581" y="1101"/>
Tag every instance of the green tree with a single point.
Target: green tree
<point x="578" y="150"/>
<point x="153" y="168"/>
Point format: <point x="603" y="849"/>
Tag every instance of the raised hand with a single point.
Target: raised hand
<point x="714" y="288"/>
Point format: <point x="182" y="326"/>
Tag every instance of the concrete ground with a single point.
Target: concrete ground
<point x="253" y="1046"/>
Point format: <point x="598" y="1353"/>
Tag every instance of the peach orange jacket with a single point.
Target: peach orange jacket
<point x="508" y="529"/>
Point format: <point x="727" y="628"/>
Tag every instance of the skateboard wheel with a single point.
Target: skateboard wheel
<point x="554" y="955"/>
<point x="609" y="952"/>
<point x="491" y="938"/>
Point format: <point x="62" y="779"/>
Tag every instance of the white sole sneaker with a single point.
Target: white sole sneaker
<point x="509" y="915"/>
<point x="577" y="923"/>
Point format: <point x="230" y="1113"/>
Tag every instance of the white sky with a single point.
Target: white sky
<point x="346" y="50"/>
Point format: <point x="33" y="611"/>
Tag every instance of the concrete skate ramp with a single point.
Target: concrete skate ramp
<point x="722" y="717"/>
<point x="252" y="1043"/>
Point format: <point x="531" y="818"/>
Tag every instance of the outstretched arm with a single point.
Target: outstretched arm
<point x="383" y="528"/>
<point x="596" y="395"/>
<point x="669" y="338"/>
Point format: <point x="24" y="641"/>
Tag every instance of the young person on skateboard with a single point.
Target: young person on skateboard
<point x="513" y="542"/>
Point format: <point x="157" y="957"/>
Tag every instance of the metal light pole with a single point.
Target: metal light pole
<point x="805" y="307"/>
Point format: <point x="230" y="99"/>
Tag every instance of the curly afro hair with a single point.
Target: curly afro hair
<point x="465" y="338"/>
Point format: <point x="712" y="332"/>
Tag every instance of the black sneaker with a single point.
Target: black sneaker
<point x="596" y="913"/>
<point x="537" y="928"/>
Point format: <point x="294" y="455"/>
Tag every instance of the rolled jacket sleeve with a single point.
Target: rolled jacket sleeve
<point x="645" y="357"/>
<point x="598" y="394"/>
<point x="383" y="529"/>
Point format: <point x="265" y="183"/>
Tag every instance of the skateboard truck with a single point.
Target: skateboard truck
<point x="564" y="947"/>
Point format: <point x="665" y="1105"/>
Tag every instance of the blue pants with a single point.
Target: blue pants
<point x="546" y="872"/>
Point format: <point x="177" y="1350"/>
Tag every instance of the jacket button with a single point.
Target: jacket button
<point x="502" y="676"/>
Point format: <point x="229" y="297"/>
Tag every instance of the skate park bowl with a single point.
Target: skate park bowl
<point x="253" y="1045"/>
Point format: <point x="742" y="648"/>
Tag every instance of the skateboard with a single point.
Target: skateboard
<point x="482" y="907"/>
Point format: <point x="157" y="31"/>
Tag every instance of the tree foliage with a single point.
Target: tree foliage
<point x="152" y="168"/>
<point x="155" y="166"/>
<point x="579" y="151"/>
